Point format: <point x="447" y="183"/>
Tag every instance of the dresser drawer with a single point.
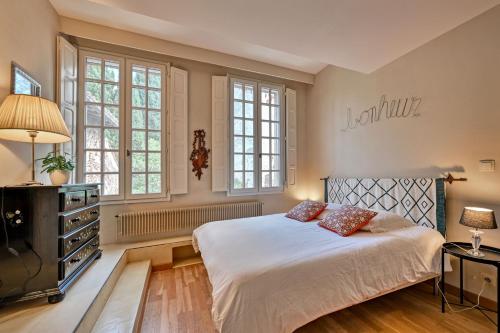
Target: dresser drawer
<point x="72" y="221"/>
<point x="92" y="196"/>
<point x="72" y="200"/>
<point x="72" y="241"/>
<point x="78" y="258"/>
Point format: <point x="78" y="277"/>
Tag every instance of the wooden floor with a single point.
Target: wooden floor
<point x="179" y="301"/>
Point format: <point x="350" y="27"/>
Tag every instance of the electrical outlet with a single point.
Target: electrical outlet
<point x="489" y="278"/>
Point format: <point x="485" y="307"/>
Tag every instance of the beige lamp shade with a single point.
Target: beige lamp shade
<point x="21" y="114"/>
<point x="480" y="218"/>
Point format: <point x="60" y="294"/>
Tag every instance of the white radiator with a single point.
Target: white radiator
<point x="187" y="218"/>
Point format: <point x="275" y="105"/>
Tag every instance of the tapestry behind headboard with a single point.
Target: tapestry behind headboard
<point x="419" y="199"/>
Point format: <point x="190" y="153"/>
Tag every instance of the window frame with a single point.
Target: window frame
<point x="130" y="62"/>
<point x="83" y="54"/>
<point x="125" y="172"/>
<point x="258" y="189"/>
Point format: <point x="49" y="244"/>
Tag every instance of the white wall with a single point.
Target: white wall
<point x="458" y="78"/>
<point x="28" y="30"/>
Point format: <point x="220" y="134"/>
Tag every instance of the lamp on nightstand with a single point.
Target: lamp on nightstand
<point x="478" y="218"/>
<point x="32" y="119"/>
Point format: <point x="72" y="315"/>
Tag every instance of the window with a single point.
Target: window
<point x="256" y="137"/>
<point x="123" y="126"/>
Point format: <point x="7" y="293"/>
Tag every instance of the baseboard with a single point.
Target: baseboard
<point x="455" y="291"/>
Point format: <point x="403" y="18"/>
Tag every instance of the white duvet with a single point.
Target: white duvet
<point x="272" y="274"/>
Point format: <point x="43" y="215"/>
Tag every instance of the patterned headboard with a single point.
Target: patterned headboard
<point x="421" y="200"/>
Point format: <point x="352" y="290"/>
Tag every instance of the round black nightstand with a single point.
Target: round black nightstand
<point x="459" y="249"/>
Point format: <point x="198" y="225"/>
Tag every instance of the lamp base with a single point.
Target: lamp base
<point x="475" y="253"/>
<point x="32" y="183"/>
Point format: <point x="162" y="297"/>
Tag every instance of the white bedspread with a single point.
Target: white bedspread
<point x="272" y="274"/>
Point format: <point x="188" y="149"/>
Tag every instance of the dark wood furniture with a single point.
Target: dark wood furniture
<point x="49" y="235"/>
<point x="459" y="249"/>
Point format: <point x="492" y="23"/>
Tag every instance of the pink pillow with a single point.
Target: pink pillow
<point x="306" y="210"/>
<point x="347" y="220"/>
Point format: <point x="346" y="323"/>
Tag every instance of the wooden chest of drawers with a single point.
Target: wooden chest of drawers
<point x="51" y="237"/>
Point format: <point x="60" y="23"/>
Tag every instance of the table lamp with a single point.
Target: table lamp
<point x="27" y="118"/>
<point x="478" y="218"/>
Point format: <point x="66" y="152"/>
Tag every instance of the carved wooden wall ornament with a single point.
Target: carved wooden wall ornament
<point x="199" y="156"/>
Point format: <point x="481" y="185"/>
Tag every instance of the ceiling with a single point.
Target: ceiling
<point x="361" y="35"/>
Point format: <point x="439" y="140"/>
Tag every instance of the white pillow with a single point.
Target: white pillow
<point x="329" y="208"/>
<point x="387" y="221"/>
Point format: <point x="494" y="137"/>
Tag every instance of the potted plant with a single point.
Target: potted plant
<point x="58" y="167"/>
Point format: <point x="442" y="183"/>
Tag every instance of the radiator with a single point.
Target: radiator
<point x="144" y="223"/>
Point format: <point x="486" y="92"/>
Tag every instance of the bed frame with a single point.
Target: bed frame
<point x="421" y="200"/>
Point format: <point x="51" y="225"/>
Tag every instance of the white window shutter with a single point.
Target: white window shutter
<point x="291" y="135"/>
<point x="67" y="92"/>
<point x="178" y="131"/>
<point x="220" y="146"/>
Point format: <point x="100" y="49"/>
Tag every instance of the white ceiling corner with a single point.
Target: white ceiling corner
<point x="361" y="35"/>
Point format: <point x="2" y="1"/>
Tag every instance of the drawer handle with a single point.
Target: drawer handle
<point x="94" y="196"/>
<point x="77" y="219"/>
<point x="95" y="229"/>
<point x="75" y="240"/>
<point x="94" y="245"/>
<point x="94" y="212"/>
<point x="76" y="199"/>
<point x="74" y="260"/>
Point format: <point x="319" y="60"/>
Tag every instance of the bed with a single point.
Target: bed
<point x="274" y="274"/>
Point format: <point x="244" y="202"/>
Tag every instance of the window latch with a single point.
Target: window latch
<point x="128" y="153"/>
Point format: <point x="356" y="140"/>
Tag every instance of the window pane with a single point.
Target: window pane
<point x="266" y="179"/>
<point x="265" y="128"/>
<point x="138" y="183"/>
<point x="93" y="161"/>
<point x="138" y="97"/>
<point x="138" y="119"/>
<point x="248" y="145"/>
<point x="93" y="138"/>
<point x="93" y="70"/>
<point x="275" y="146"/>
<point x="238" y="109"/>
<point x="154" y="183"/>
<point x="265" y="146"/>
<point x="238" y="127"/>
<point x="238" y="91"/>
<point x="249" y="180"/>
<point x="265" y="162"/>
<point x="265" y="95"/>
<point x="138" y="140"/>
<point x="111" y="161"/>
<point x="275" y="113"/>
<point x="275" y="130"/>
<point x="93" y="92"/>
<point x="111" y="116"/>
<point x="138" y="162"/>
<point x="91" y="179"/>
<point x="138" y="76"/>
<point x="238" y="162"/>
<point x="111" y="138"/>
<point x="265" y="112"/>
<point x="154" y="78"/>
<point x="93" y="115"/>
<point x="238" y="180"/>
<point x="154" y="99"/>
<point x="154" y="162"/>
<point x="154" y="141"/>
<point x="111" y="94"/>
<point x="111" y="184"/>
<point x="275" y="162"/>
<point x="249" y="127"/>
<point x="276" y="179"/>
<point x="154" y="120"/>
<point x="238" y="144"/>
<point x="249" y="93"/>
<point x="112" y="71"/>
<point x="248" y="162"/>
<point x="275" y="96"/>
<point x="249" y="110"/>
